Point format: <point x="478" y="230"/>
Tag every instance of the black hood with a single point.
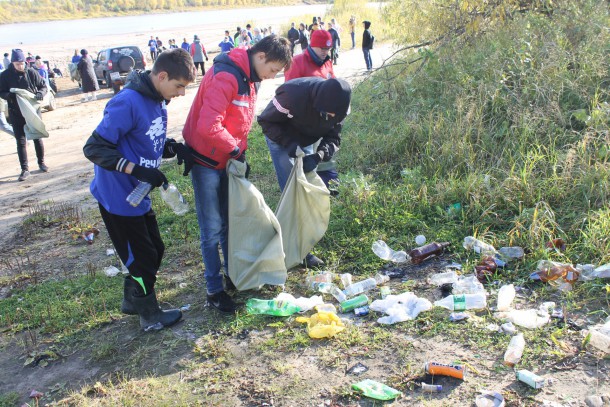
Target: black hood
<point x="332" y="96"/>
<point x="140" y="82"/>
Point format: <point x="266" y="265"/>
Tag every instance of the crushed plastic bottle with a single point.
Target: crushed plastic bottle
<point x="468" y="285"/>
<point x="448" y="277"/>
<point x="365" y="285"/>
<point x="489" y="399"/>
<point x="462" y="302"/>
<point x="480" y="247"/>
<point x="506" y="295"/>
<point x="346" y="279"/>
<point x="513" y="353"/>
<point x="136" y="196"/>
<point x="271" y="307"/>
<point x="174" y="199"/>
<point x="326" y="308"/>
<point x="330" y="288"/>
<point x="511" y="252"/>
<point x="383" y="251"/>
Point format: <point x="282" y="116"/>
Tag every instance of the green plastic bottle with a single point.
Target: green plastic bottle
<point x="278" y="308"/>
<point x="353" y="303"/>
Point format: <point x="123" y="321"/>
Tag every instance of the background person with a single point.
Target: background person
<point x="18" y="76"/>
<point x="315" y="59"/>
<point x="88" y="78"/>
<point x="198" y="53"/>
<point x="367" y="45"/>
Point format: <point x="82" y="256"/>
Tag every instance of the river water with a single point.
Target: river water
<point x="12" y="35"/>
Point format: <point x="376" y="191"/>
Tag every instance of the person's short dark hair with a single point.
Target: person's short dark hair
<point x="6" y="54"/>
<point x="83" y="52"/>
<point x="38" y="57"/>
<point x="248" y="26"/>
<point x="276" y="49"/>
<point x="239" y="28"/>
<point x="367" y="24"/>
<point x="178" y="64"/>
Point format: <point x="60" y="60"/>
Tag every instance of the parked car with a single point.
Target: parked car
<point x="114" y="64"/>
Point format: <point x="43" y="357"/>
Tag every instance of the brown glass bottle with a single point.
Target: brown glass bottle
<point x="420" y="254"/>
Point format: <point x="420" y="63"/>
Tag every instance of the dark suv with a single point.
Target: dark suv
<point x="114" y="64"/>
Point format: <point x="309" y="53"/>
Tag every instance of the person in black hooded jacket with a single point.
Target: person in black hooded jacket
<point x="303" y="111"/>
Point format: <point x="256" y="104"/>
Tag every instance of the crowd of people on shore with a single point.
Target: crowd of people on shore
<point x="127" y="146"/>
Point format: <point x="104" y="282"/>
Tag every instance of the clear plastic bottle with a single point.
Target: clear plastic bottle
<point x="365" y="285"/>
<point x="174" y="199"/>
<point x="513" y="353"/>
<point x="381" y="249"/>
<point x="462" y="302"/>
<point x="138" y="193"/>
<point x="271" y="307"/>
<point x="448" y="277"/>
<point x="321" y="277"/>
<point x="506" y="295"/>
<point x="511" y="252"/>
<point x="480" y="247"/>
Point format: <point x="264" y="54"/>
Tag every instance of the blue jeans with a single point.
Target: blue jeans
<point x="367" y="58"/>
<point x="282" y="162"/>
<point x="210" y="188"/>
<point x="353" y="34"/>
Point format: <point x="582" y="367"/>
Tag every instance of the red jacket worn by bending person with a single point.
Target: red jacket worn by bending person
<point x="223" y="110"/>
<point x="308" y="64"/>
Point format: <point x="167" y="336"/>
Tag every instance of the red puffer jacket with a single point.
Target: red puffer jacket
<point x="304" y="65"/>
<point x="223" y="110"/>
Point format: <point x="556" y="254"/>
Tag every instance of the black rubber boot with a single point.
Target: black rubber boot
<point x="152" y="317"/>
<point x="129" y="289"/>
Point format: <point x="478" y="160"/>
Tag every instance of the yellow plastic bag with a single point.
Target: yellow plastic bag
<point x="322" y="325"/>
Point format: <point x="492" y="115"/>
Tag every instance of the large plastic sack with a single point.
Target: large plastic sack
<point x="74" y="72"/>
<point x="28" y="105"/>
<point x="322" y="324"/>
<point x="303" y="211"/>
<point x="256" y="255"/>
<point x="400" y="308"/>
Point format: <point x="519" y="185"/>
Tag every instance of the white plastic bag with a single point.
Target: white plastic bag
<point x="400" y="308"/>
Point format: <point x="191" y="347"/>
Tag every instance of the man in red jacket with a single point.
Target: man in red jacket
<point x="315" y="60"/>
<point x="216" y="130"/>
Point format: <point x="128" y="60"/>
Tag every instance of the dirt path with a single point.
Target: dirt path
<point x="71" y="124"/>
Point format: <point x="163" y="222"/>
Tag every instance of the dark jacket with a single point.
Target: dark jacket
<point x="293" y="35"/>
<point x="334" y="34"/>
<point x="11" y="78"/>
<point x="87" y="74"/>
<point x="295" y="113"/>
<point x="367" y="39"/>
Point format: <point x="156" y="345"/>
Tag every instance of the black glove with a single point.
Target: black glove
<point x="168" y="152"/>
<point x="235" y="153"/>
<point x="39" y="96"/>
<point x="310" y="162"/>
<point x="206" y="58"/>
<point x="184" y="156"/>
<point x="151" y="175"/>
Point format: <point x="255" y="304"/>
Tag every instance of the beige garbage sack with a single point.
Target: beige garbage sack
<point x="34" y="126"/>
<point x="303" y="212"/>
<point x="256" y="255"/>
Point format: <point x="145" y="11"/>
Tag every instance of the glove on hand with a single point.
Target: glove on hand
<point x="151" y="175"/>
<point x="39" y="96"/>
<point x="206" y="58"/>
<point x="184" y="156"/>
<point x="310" y="162"/>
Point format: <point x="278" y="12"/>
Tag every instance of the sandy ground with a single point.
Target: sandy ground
<point x="72" y="122"/>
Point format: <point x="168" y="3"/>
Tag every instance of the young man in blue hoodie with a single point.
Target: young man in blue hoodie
<point x="126" y="148"/>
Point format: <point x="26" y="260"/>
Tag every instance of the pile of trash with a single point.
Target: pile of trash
<point x="467" y="293"/>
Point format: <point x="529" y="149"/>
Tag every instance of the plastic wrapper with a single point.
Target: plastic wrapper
<point x="305" y="304"/>
<point x="400" y="308"/>
<point x="383" y="251"/>
<point x="322" y="325"/>
<point x="528" y="318"/>
<point x="376" y="390"/>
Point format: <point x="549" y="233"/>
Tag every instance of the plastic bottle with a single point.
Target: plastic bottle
<point x="511" y="252"/>
<point x="468" y="285"/>
<point x="431" y="388"/>
<point x="448" y="277"/>
<point x="138" y="193"/>
<point x="381" y="249"/>
<point x="462" y="302"/>
<point x="174" y="199"/>
<point x="547" y="270"/>
<point x="321" y="277"/>
<point x="513" y="353"/>
<point x="353" y="303"/>
<point x="435" y="368"/>
<point x="480" y="247"/>
<point x="326" y="308"/>
<point x="365" y="285"/>
<point x="420" y="254"/>
<point x="329" y="288"/>
<point x="506" y="295"/>
<point x="346" y="279"/>
<point x="271" y="307"/>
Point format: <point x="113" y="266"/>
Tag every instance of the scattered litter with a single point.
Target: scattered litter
<point x="556" y="244"/>
<point x="35" y="394"/>
<point x="530" y="379"/>
<point x="468" y="285"/>
<point x="479" y="247"/>
<point x="513" y="353"/>
<point x="506" y="295"/>
<point x="435" y="368"/>
<point x="326" y="308"/>
<point x="400" y="308"/>
<point x="346" y="279"/>
<point x="90" y="234"/>
<point x="185" y="308"/>
<point x="279" y="308"/>
<point x="485" y="269"/>
<point x="529" y="318"/>
<point x="155" y="327"/>
<point x="459" y="316"/>
<point x="454" y="210"/>
<point x="109" y="252"/>
<point x="305" y="304"/>
<point x="508" y="328"/>
<point x="589" y="272"/>
<point x="376" y="390"/>
<point x="357" y="369"/>
<point x="111" y="271"/>
<point x="361" y="311"/>
<point x="383" y="251"/>
<point x="322" y="324"/>
<point x="420" y="254"/>
<point x="493" y="327"/>
<point x="550" y="271"/>
<point x="454" y="266"/>
<point x="511" y="253"/>
<point x="461" y="302"/>
<point x="599" y="337"/>
<point x="183" y="285"/>
<point x="431" y="388"/>
<point x="449" y="277"/>
<point x="384" y="291"/>
<point x="490" y="399"/>
<point x="420" y="240"/>
<point x="353" y="303"/>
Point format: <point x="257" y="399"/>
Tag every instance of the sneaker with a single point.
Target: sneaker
<point x="312" y="261"/>
<point x="222" y="302"/>
<point x="229" y="286"/>
<point x="24" y="175"/>
<point x="43" y="167"/>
